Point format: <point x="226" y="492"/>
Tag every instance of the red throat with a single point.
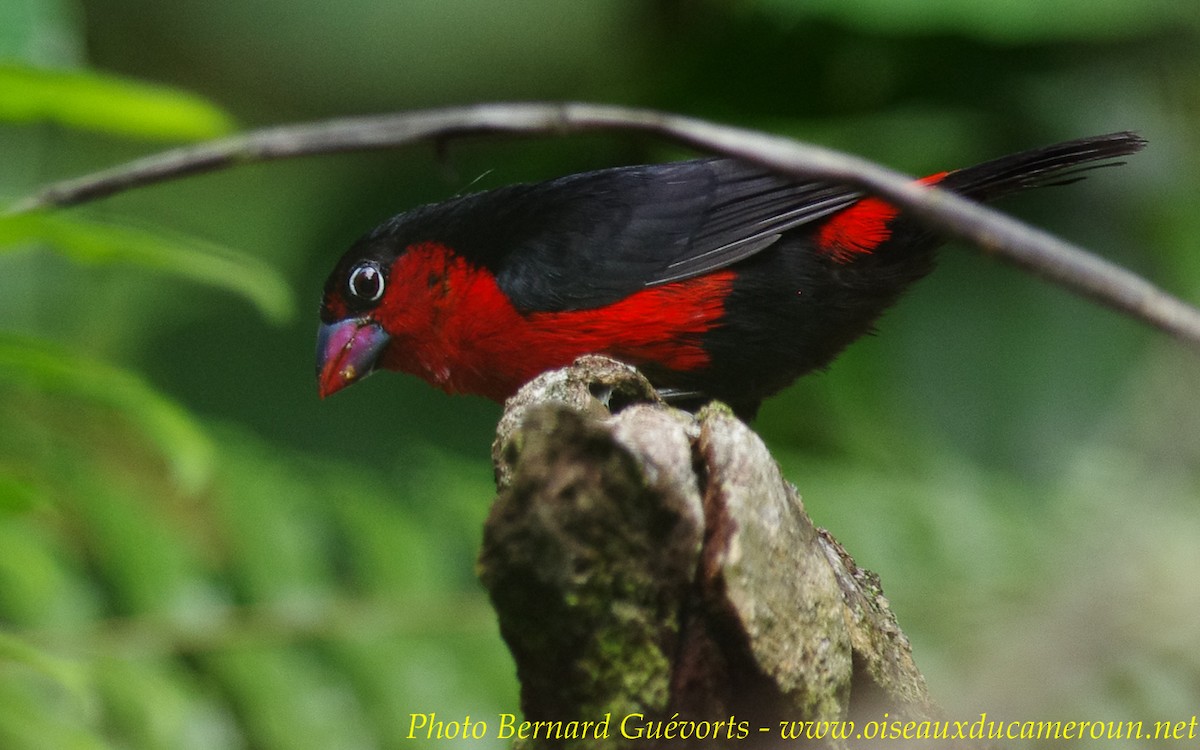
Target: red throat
<point x="452" y="325"/>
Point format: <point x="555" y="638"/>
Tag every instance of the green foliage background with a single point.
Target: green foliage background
<point x="197" y="553"/>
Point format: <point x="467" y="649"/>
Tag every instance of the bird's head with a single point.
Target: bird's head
<point x="353" y="336"/>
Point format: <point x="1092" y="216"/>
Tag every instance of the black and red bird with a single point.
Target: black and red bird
<point x="715" y="278"/>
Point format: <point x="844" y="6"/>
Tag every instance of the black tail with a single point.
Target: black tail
<point x="1060" y="164"/>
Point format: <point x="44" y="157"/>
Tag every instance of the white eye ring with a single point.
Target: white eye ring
<point x="366" y="281"/>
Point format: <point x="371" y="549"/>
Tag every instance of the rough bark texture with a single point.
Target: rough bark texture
<point x="652" y="563"/>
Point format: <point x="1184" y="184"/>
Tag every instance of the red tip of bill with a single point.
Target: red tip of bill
<point x="347" y="352"/>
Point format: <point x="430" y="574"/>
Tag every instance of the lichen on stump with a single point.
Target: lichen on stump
<point x="644" y="560"/>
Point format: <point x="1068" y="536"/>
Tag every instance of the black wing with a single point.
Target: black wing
<point x="590" y="239"/>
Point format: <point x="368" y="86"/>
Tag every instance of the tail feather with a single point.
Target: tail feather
<point x="1059" y="164"/>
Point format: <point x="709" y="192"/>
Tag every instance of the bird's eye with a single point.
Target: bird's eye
<point x="366" y="281"/>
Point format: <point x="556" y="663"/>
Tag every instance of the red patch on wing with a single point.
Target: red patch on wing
<point x="861" y="228"/>
<point x="453" y="326"/>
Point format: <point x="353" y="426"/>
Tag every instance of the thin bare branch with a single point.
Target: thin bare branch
<point x="1061" y="262"/>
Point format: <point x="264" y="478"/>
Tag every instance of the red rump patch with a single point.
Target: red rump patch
<point x="452" y="325"/>
<point x="861" y="228"/>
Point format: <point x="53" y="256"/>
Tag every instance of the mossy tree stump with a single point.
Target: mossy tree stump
<point x="651" y="568"/>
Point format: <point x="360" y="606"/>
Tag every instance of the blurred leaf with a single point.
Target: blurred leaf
<point x="146" y="552"/>
<point x="291" y="698"/>
<point x="1012" y="20"/>
<point x="17" y="496"/>
<point x="49" y="690"/>
<point x="69" y="675"/>
<point x="40" y="581"/>
<point x="108" y="104"/>
<point x="38" y="365"/>
<point x="190" y="258"/>
<point x="276" y="528"/>
<point x="160" y="705"/>
<point x="35" y="718"/>
<point x="45" y="32"/>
